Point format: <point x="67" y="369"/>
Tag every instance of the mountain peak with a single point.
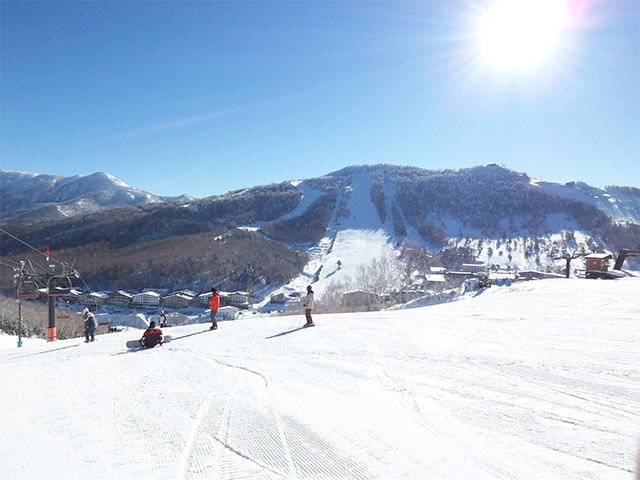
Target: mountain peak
<point x="28" y="197"/>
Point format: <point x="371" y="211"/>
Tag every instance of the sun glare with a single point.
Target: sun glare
<point x="521" y="34"/>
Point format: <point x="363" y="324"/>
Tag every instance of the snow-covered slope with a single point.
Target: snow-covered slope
<point x="620" y="206"/>
<point x="354" y="240"/>
<point x="33" y="197"/>
<point x="533" y="382"/>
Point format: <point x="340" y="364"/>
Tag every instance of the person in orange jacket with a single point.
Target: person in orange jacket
<point x="214" y="305"/>
<point x="152" y="336"/>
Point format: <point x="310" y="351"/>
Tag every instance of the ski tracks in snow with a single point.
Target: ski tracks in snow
<point x="232" y="430"/>
<point x="240" y="430"/>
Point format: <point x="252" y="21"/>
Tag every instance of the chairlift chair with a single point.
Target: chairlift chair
<point x="29" y="289"/>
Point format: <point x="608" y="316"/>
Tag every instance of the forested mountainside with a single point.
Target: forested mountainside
<point x="489" y="201"/>
<point x="262" y="235"/>
<point x="170" y="244"/>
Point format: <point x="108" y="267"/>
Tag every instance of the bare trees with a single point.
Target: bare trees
<point x="34" y="321"/>
<point x="332" y="299"/>
<point x="381" y="276"/>
<point x="370" y="289"/>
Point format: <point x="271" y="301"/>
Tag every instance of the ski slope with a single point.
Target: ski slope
<point x="354" y="240"/>
<point x="537" y="381"/>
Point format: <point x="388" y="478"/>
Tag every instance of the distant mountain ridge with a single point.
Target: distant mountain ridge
<point x="267" y="235"/>
<point x="29" y="197"/>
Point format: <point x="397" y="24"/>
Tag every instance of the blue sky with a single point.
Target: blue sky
<point x="207" y="97"/>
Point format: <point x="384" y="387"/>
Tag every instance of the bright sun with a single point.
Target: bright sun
<point x="521" y="34"/>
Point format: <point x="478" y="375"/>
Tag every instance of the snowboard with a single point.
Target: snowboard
<point x="136" y="343"/>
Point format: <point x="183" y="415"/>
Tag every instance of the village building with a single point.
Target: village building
<point x="121" y="298"/>
<point x="177" y="300"/>
<point x="410" y="293"/>
<point x="278" y="298"/>
<point x="228" y="313"/>
<point x="474" y="268"/>
<point x="598" y="262"/>
<point x="93" y="299"/>
<point x="438" y="270"/>
<point x="460" y="275"/>
<point x="237" y="299"/>
<point x="147" y="298"/>
<point x="360" y="298"/>
<point x="435" y="281"/>
<point x="535" y="275"/>
<point x="597" y="266"/>
<point x="203" y="299"/>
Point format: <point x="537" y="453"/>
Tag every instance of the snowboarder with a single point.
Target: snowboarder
<point x="214" y="305"/>
<point x="308" y="306"/>
<point x="90" y="325"/>
<point x="163" y="319"/>
<point x="152" y="336"/>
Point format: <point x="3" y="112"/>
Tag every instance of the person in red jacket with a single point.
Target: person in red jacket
<point x="214" y="305"/>
<point x="152" y="336"/>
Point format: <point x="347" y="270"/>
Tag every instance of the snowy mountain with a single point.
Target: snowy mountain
<point x="620" y="203"/>
<point x="286" y="235"/>
<point x="538" y="381"/>
<point x="486" y="214"/>
<point x="29" y="197"/>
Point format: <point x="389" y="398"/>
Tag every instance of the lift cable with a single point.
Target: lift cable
<point x="44" y="254"/>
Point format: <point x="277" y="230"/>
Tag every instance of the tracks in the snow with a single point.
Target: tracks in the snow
<point x="245" y="426"/>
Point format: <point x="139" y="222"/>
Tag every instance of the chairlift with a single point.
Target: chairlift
<point x="28" y="289"/>
<point x="60" y="290"/>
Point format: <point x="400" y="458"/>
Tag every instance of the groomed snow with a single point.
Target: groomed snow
<point x="536" y="381"/>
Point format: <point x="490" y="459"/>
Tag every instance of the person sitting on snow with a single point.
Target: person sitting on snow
<point x="152" y="336"/>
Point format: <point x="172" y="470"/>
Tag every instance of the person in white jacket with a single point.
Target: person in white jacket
<point x="308" y="306"/>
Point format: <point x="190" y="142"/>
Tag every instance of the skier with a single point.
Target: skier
<point x="152" y="336"/>
<point x="90" y="325"/>
<point x="214" y="305"/>
<point x="308" y="306"/>
<point x="163" y="319"/>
